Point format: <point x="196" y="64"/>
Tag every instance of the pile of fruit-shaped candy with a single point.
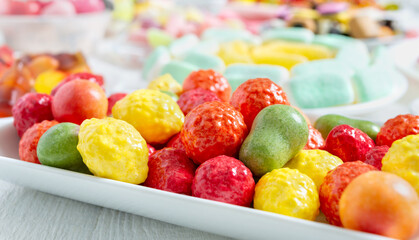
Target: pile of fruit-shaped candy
<point x="34" y="72"/>
<point x="326" y="70"/>
<point x="247" y="147"/>
<point x="42" y="7"/>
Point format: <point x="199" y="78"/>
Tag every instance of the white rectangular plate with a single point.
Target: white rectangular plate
<point x="201" y="214"/>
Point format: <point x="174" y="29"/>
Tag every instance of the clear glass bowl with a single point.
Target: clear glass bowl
<point x="37" y="34"/>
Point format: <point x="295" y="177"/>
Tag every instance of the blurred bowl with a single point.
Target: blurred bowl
<point x="37" y="34"/>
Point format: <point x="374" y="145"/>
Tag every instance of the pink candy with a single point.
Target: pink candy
<point x="85" y="6"/>
<point x="59" y="8"/>
<point x="53" y="7"/>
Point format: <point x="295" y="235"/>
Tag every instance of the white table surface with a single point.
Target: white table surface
<point x="30" y="214"/>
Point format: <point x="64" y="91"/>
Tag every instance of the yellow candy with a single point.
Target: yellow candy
<point x="315" y="164"/>
<point x="48" y="80"/>
<point x="310" y="51"/>
<point x="154" y="114"/>
<point x="112" y="148"/>
<point x="166" y="83"/>
<point x="402" y="159"/>
<point x="288" y="192"/>
<point x="266" y="56"/>
<point x="235" y="52"/>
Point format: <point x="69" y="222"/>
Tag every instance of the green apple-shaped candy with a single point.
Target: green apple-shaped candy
<point x="58" y="148"/>
<point x="278" y="133"/>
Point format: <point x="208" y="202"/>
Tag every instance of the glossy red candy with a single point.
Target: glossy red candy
<point x="254" y="95"/>
<point x="79" y="76"/>
<point x="348" y="143"/>
<point x="151" y="150"/>
<point x="398" y="128"/>
<point x="224" y="179"/>
<point x="335" y="183"/>
<point x="375" y="155"/>
<point x="30" y="139"/>
<point x="112" y="99"/>
<point x="170" y="170"/>
<point x="190" y="99"/>
<point x="210" y="80"/>
<point x="213" y="129"/>
<point x="30" y="109"/>
<point x="315" y="139"/>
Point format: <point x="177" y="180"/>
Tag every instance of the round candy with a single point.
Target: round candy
<point x="315" y="164"/>
<point x="195" y="97"/>
<point x="288" y="192"/>
<point x="213" y="129"/>
<point x="58" y="148"/>
<point x="402" y="159"/>
<point x="114" y="149"/>
<point x="254" y="95"/>
<point x="224" y="179"/>
<point x="375" y="156"/>
<point x="47" y="81"/>
<point x="112" y="99"/>
<point x="335" y="183"/>
<point x="78" y="100"/>
<point x="380" y="203"/>
<point x="154" y="114"/>
<point x="315" y="138"/>
<point x="210" y="80"/>
<point x="398" y="128"/>
<point x="29" y="141"/>
<point x="30" y="109"/>
<point x="79" y="76"/>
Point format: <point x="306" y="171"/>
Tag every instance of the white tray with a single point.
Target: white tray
<point x="406" y="55"/>
<point x="201" y="214"/>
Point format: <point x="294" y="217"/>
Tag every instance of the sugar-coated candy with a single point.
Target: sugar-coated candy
<point x="179" y="70"/>
<point x="205" y="61"/>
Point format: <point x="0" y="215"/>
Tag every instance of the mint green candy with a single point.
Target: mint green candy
<point x="239" y="73"/>
<point x="210" y="46"/>
<point x="179" y="70"/>
<point x="289" y="34"/>
<point x="335" y="41"/>
<point x="355" y="55"/>
<point x="157" y="37"/>
<point x="374" y="82"/>
<point x="205" y="61"/>
<point x="179" y="47"/>
<point x="154" y="63"/>
<point x="222" y="35"/>
<point x="322" y="66"/>
<point x="319" y="90"/>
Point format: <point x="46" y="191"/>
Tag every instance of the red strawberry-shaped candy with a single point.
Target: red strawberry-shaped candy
<point x="30" y="109"/>
<point x="224" y="179"/>
<point x="170" y="170"/>
<point x="213" y="129"/>
<point x="335" y="183"/>
<point x="348" y="143"/>
<point x="398" y="128"/>
<point x="190" y="99"/>
<point x="254" y="95"/>
<point x="375" y="155"/>
<point x="210" y="80"/>
<point x="315" y="139"/>
<point x="30" y="139"/>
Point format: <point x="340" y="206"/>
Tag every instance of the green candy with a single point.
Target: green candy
<point x="290" y="34"/>
<point x="178" y="69"/>
<point x="278" y="133"/>
<point x="326" y="123"/>
<point x="205" y="61"/>
<point x="58" y="148"/>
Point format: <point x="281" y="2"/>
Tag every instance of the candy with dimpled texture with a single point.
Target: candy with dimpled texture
<point x="210" y="80"/>
<point x="195" y="97"/>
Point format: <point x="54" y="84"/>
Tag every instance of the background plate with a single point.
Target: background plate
<point x="406" y="56"/>
<point x="201" y="214"/>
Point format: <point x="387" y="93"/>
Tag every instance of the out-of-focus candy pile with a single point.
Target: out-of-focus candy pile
<point x="60" y="8"/>
<point x="40" y="73"/>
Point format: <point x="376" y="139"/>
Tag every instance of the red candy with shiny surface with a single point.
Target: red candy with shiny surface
<point x="151" y="150"/>
<point x="190" y="99"/>
<point x="335" y="183"/>
<point x="170" y="170"/>
<point x="112" y="99"/>
<point x="315" y="139"/>
<point x="398" y="128"/>
<point x="254" y="95"/>
<point x="30" y="139"/>
<point x="375" y="156"/>
<point x="348" y="143"/>
<point x="79" y="76"/>
<point x="210" y="80"/>
<point x="30" y="109"/>
<point x="213" y="129"/>
<point x="224" y="179"/>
